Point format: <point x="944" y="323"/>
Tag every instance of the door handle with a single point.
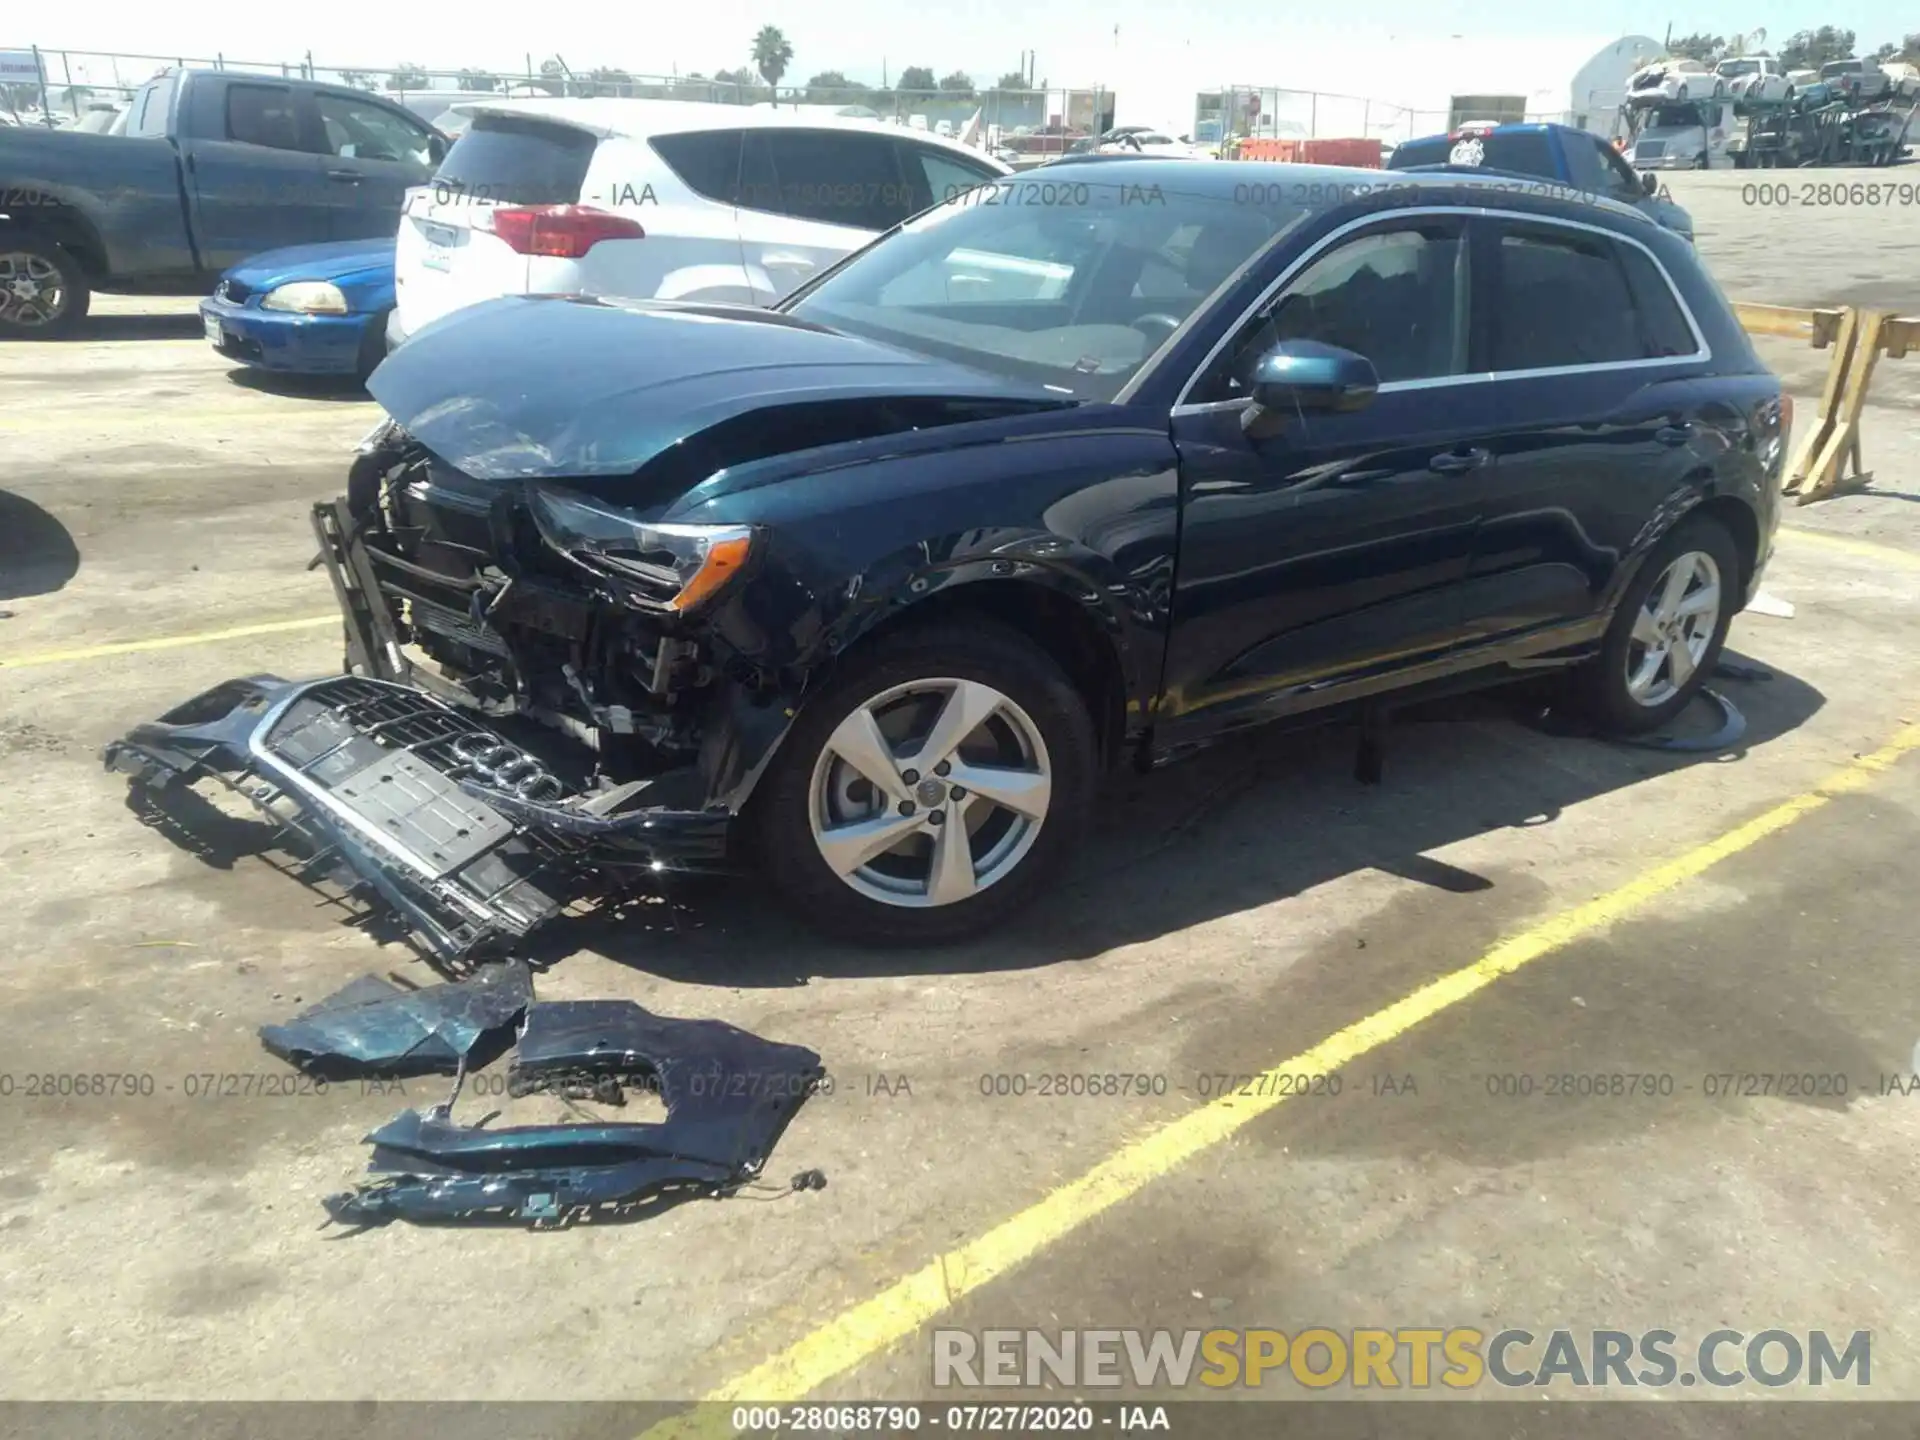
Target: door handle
<point x="1458" y="462"/>
<point x="345" y="177"/>
<point x="1674" y="434"/>
<point x="780" y="260"/>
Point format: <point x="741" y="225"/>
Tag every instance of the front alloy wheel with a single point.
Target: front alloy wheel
<point x="43" y="294"/>
<point x="930" y="792"/>
<point x="930" y="787"/>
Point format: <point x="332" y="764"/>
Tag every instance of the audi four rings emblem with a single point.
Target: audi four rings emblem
<point x="505" y="768"/>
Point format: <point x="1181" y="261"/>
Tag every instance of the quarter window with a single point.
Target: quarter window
<point x="708" y="161"/>
<point x="1398" y="297"/>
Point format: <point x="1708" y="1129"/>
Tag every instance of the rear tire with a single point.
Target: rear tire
<point x="44" y="294"/>
<point x="1033" y="743"/>
<point x="1666" y="633"/>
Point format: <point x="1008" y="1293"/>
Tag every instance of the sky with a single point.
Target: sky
<point x="1077" y="42"/>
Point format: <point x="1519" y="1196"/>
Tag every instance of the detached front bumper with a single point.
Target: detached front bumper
<point x="413" y="806"/>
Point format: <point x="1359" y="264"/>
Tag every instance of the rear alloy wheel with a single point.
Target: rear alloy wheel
<point x="1667" y="633"/>
<point x="930" y="789"/>
<point x="43" y="294"/>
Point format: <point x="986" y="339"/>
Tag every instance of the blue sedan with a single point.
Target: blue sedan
<point x="306" y="310"/>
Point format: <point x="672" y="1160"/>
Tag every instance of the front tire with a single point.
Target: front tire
<point x="44" y="294"/>
<point x="1666" y="634"/>
<point x="935" y="785"/>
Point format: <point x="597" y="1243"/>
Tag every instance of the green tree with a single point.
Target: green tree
<point x="409" y="76"/>
<point x="917" y="77"/>
<point x="831" y="87"/>
<point x="1012" y="80"/>
<point x="553" y="77"/>
<point x="478" y="80"/>
<point x="606" y="81"/>
<point x="1887" y="51"/>
<point x="1810" y="49"/>
<point x="736" y="85"/>
<point x="359" y="79"/>
<point x="771" y="54"/>
<point x="1698" y="46"/>
<point x="1910" y="49"/>
<point x="959" y="84"/>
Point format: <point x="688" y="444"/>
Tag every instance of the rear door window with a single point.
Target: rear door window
<point x="706" y="161"/>
<point x="834" y="177"/>
<point x="1562" y="297"/>
<point x="518" y="160"/>
<point x="263" y="115"/>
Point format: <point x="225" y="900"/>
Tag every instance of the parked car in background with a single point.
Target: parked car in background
<point x="308" y="310"/>
<point x="873" y="589"/>
<point x="1902" y="78"/>
<point x="1152" y="142"/>
<point x="1675" y="80"/>
<point x="1858" y="80"/>
<point x="1562" y="153"/>
<point x="658" y="199"/>
<point x="215" y="166"/>
<point x="1755" y="78"/>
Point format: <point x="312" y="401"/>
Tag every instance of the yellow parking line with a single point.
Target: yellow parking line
<point x="1872" y="549"/>
<point x="896" y="1313"/>
<point x="165" y="642"/>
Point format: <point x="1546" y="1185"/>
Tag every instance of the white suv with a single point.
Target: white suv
<point x="654" y="199"/>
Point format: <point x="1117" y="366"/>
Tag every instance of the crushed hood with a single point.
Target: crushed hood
<point x="543" y="388"/>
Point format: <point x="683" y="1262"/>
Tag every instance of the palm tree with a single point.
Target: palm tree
<point x="771" y="56"/>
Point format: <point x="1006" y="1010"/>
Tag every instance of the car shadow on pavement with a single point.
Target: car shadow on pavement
<point x="139" y="327"/>
<point x="1256" y="819"/>
<point x="37" y="554"/>
<point x="302" y="387"/>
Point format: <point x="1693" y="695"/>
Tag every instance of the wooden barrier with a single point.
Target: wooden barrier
<point x="1858" y="339"/>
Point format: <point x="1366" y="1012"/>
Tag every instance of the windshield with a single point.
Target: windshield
<point x="1070" y="284"/>
<point x="1674" y="117"/>
<point x="1738" y="67"/>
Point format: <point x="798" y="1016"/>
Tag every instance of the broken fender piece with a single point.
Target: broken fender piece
<point x="729" y="1096"/>
<point x="378" y="1028"/>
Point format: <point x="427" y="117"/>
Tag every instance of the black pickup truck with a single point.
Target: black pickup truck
<point x="214" y="166"/>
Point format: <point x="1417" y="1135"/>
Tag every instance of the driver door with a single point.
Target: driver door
<point x="1329" y="559"/>
<point x="374" y="154"/>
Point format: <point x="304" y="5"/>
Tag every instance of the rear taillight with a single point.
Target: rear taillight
<point x="564" y="232"/>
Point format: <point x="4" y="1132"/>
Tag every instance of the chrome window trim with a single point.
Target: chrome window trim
<point x="1701" y="351"/>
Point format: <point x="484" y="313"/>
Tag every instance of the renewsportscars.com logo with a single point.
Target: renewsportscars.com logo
<point x="1409" y="1358"/>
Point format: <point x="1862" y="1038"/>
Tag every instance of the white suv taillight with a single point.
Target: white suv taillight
<point x="565" y="232"/>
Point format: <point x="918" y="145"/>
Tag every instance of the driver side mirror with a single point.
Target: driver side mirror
<point x="436" y="149"/>
<point x="1298" y="376"/>
<point x="1649" y="184"/>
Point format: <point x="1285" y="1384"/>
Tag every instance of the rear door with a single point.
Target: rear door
<point x="374" y="154"/>
<point x="444" y="260"/>
<point x="1594" y="368"/>
<point x="809" y="197"/>
<point x="257" y="183"/>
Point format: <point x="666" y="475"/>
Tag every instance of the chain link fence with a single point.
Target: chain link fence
<point x="63" y="86"/>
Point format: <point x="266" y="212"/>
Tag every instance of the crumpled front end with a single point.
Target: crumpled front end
<point x="414" y="807"/>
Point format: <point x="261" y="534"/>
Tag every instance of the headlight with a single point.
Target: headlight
<point x="674" y="566"/>
<point x="307" y="297"/>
